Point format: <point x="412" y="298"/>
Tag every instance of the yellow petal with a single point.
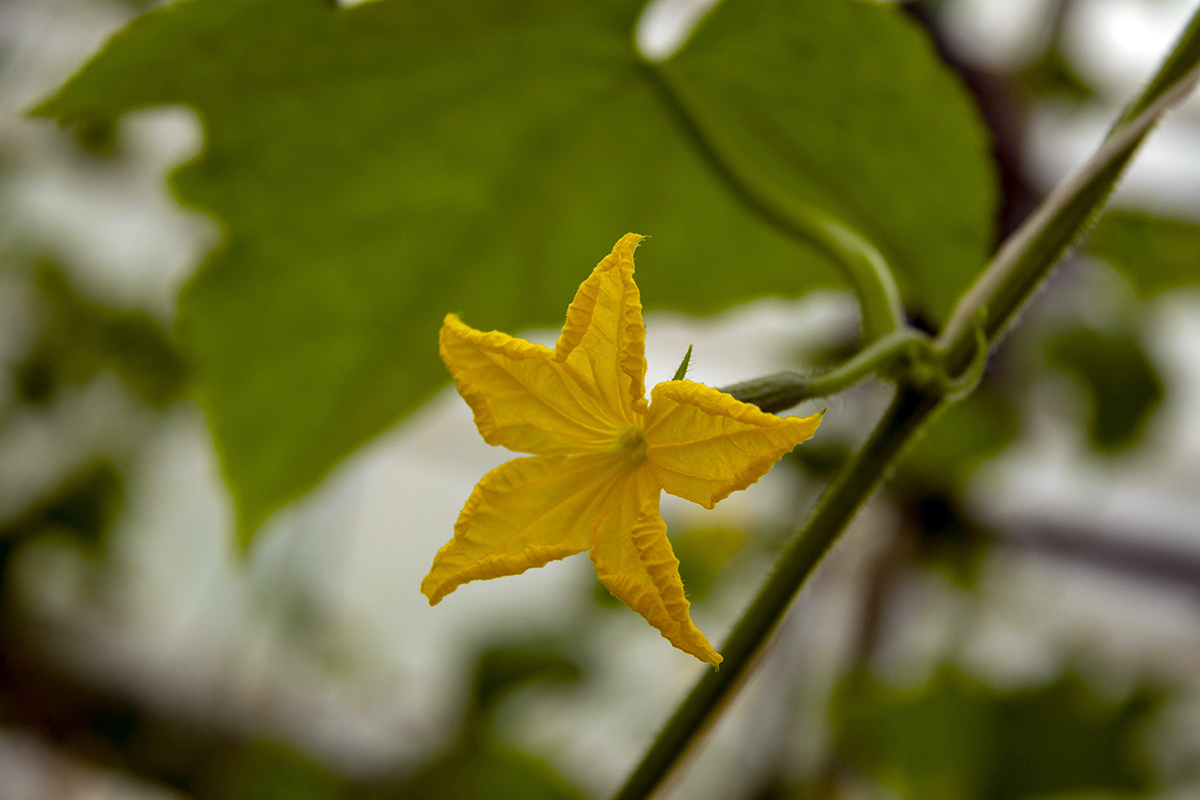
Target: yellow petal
<point x="523" y="514"/>
<point x="522" y="398"/>
<point x="634" y="561"/>
<point x="702" y="444"/>
<point x="604" y="339"/>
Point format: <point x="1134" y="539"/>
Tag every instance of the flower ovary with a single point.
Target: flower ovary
<point x="633" y="442"/>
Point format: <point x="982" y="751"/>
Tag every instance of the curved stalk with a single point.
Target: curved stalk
<point x="909" y="411"/>
<point x="1034" y="248"/>
<point x="863" y="266"/>
<point x="783" y="390"/>
<point x="1029" y="256"/>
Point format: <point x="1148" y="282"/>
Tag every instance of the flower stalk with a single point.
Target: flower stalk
<point x="860" y="262"/>
<point x="983" y="314"/>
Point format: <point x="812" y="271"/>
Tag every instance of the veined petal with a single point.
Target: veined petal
<point x="604" y="338"/>
<point x="523" y="514"/>
<point x="522" y="398"/>
<point x="703" y="445"/>
<point x="634" y="561"/>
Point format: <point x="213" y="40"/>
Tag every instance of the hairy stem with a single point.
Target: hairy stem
<point x="1003" y="289"/>
<point x="1034" y="248"/>
<point x="783" y="390"/>
<point x="863" y="265"/>
<point x="909" y="410"/>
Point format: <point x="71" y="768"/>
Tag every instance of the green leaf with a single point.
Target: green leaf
<point x="681" y="373"/>
<point x="956" y="739"/>
<point x="377" y="166"/>
<point x="1052" y="75"/>
<point x="1154" y="254"/>
<point x="487" y="770"/>
<point x="1122" y="383"/>
<point x="80" y="338"/>
<point x="262" y="770"/>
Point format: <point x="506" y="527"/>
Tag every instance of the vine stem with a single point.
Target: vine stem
<point x="1016" y="268"/>
<point x="909" y="410"/>
<point x="861" y="263"/>
<point x="1003" y="289"/>
<point x="783" y="390"/>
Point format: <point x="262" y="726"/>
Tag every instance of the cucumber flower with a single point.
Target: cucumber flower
<point x="601" y="456"/>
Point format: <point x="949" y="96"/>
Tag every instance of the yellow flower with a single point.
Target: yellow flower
<point x="601" y="455"/>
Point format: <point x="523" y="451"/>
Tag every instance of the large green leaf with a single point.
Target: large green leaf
<point x="375" y="167"/>
<point x="1153" y="253"/>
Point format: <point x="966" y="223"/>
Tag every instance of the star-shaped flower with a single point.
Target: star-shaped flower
<point x="601" y="455"/>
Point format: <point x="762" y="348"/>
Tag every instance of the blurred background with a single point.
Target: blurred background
<point x="1016" y="615"/>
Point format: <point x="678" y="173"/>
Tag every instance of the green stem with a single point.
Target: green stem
<point x="909" y="410"/>
<point x="863" y="265"/>
<point x="783" y="390"/>
<point x="1025" y="259"/>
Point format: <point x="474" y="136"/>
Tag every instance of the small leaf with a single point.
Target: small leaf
<point x="1051" y="75"/>
<point x="681" y="373"/>
<point x="1154" y="254"/>
<point x="1123" y="384"/>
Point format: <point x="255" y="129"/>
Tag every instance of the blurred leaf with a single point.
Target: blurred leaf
<point x="266" y="771"/>
<point x="503" y="669"/>
<point x="947" y="539"/>
<point x="85" y="506"/>
<point x="956" y="739"/>
<point x="1154" y="254"/>
<point x="98" y="136"/>
<point x="821" y="460"/>
<point x="479" y="766"/>
<point x="702" y="552"/>
<point x="379" y="165"/>
<point x="1052" y="75"/>
<point x="1122" y="382"/>
<point x="487" y="771"/>
<point x="957" y="442"/>
<point x="933" y="473"/>
<point x="81" y="338"/>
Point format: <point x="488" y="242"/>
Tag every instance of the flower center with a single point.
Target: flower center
<point x="633" y="442"/>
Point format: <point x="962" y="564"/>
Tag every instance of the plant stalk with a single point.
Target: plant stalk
<point x="909" y="410"/>
<point x="861" y="263"/>
<point x="783" y="390"/>
<point x="1003" y="289"/>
